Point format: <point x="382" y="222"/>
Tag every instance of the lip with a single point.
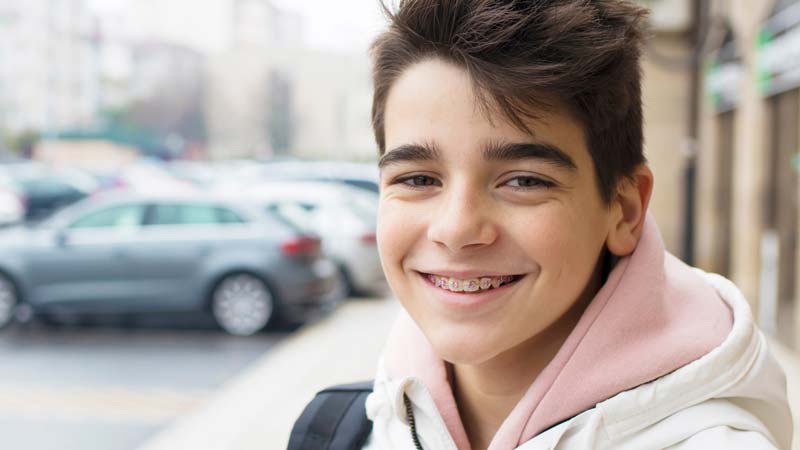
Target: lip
<point x="464" y="274"/>
<point x="469" y="301"/>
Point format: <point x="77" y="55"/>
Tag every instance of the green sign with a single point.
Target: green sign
<point x="763" y="71"/>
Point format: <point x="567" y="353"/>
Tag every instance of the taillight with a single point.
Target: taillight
<point x="368" y="238"/>
<point x="300" y="246"/>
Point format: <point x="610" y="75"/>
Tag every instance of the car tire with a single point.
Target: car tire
<point x="345" y="283"/>
<point x="242" y="304"/>
<point x="9" y="300"/>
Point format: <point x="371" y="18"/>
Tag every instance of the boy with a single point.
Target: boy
<point x="541" y="309"/>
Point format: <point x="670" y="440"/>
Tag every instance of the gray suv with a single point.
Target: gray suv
<point x="125" y="253"/>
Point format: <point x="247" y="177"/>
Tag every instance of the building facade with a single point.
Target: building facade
<point x="749" y="161"/>
<point x="270" y="95"/>
<point x="48" y="65"/>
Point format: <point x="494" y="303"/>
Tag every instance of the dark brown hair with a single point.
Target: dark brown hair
<point x="522" y="54"/>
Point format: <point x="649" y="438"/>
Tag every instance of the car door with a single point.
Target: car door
<point x="175" y="244"/>
<point x="83" y="264"/>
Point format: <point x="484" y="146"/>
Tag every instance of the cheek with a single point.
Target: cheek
<point x="396" y="233"/>
<point x="543" y="234"/>
<point x="563" y="241"/>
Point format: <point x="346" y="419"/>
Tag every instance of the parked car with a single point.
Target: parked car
<point x="12" y="207"/>
<point x="202" y="174"/>
<point x="128" y="252"/>
<point x="151" y="176"/>
<point x="360" y="175"/>
<point x="43" y="189"/>
<point x="343" y="216"/>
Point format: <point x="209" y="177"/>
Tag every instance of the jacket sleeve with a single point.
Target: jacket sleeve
<point x="727" y="438"/>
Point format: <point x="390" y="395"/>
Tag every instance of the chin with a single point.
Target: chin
<point x="463" y="345"/>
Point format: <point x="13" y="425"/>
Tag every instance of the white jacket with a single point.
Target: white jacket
<point x="733" y="397"/>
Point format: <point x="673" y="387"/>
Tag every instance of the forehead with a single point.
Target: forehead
<point x="433" y="102"/>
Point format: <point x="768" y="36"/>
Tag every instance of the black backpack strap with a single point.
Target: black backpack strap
<point x="336" y="419"/>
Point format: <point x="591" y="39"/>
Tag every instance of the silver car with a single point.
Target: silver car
<point x="142" y="253"/>
<point x="343" y="216"/>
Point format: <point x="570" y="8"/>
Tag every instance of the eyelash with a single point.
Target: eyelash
<point x="538" y="183"/>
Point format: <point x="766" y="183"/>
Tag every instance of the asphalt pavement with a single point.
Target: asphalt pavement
<point x="105" y="388"/>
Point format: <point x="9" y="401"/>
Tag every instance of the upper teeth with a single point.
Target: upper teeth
<point x="469" y="284"/>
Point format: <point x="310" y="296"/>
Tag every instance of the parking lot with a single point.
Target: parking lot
<point x="128" y="300"/>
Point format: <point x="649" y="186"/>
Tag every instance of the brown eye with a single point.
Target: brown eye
<point x="528" y="183"/>
<point x="418" y="181"/>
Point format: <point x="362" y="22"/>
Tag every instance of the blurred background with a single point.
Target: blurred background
<point x="188" y="193"/>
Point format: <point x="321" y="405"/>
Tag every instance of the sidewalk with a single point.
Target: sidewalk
<point x="256" y="410"/>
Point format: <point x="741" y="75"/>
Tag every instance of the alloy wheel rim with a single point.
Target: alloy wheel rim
<point x="242" y="304"/>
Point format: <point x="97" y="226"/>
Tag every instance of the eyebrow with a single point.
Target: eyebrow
<point x="492" y="152"/>
<point x="524" y="150"/>
<point x="409" y="152"/>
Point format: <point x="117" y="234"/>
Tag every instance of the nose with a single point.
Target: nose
<point x="462" y="220"/>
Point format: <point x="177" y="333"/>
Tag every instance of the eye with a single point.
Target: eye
<point x="417" y="181"/>
<point x="528" y="183"/>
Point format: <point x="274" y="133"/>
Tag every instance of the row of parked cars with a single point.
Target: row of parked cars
<point x="246" y="247"/>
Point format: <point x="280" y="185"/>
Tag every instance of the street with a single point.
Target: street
<point x="108" y="388"/>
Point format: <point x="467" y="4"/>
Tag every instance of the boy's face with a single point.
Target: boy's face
<point x="472" y="200"/>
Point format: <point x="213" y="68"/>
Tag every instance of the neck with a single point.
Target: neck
<point x="486" y="393"/>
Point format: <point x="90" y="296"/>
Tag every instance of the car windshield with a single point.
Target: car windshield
<point x="60" y="218"/>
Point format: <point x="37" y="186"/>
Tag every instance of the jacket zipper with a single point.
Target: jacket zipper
<point x="411" y="423"/>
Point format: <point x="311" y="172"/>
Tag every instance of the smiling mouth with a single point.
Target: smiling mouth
<point x="470" y="285"/>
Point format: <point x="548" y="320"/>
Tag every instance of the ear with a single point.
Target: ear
<point x="628" y="209"/>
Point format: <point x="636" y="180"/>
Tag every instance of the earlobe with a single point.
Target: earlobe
<point x="628" y="211"/>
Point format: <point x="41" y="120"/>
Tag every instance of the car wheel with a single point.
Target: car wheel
<point x="242" y="304"/>
<point x="8" y="301"/>
<point x="344" y="284"/>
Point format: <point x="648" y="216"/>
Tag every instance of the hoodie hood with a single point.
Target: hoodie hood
<point x="653" y="315"/>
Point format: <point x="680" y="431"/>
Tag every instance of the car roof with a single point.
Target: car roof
<point x="178" y="196"/>
<point x="324" y="169"/>
<point x="302" y="190"/>
<point x="115" y="196"/>
<point x="155" y="195"/>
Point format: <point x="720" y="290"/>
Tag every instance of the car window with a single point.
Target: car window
<point x="43" y="186"/>
<point x="225" y="215"/>
<point x="300" y="215"/>
<point x="122" y="216"/>
<point x="323" y="220"/>
<point x="192" y="214"/>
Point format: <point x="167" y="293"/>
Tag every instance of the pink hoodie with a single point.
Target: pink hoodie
<point x="652" y="316"/>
